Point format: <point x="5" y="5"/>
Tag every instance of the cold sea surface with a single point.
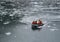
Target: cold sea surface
<point x="21" y="31"/>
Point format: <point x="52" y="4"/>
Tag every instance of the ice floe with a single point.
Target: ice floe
<point x="53" y="29"/>
<point x="8" y="33"/>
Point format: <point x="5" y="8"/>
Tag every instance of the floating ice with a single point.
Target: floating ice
<point x="6" y="22"/>
<point x="53" y="29"/>
<point x="11" y="14"/>
<point x="8" y="33"/>
<point x="35" y="2"/>
<point x="49" y="26"/>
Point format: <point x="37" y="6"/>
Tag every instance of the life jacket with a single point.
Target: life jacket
<point x="34" y="22"/>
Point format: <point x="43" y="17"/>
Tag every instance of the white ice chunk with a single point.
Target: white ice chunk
<point x="8" y="33"/>
<point x="35" y="2"/>
<point x="53" y="29"/>
<point x="11" y="14"/>
<point x="6" y="22"/>
<point x="49" y="26"/>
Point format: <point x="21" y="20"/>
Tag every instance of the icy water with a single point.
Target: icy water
<point x="21" y="31"/>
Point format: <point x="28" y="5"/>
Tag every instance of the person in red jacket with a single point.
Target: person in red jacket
<point x="39" y="22"/>
<point x="34" y="22"/>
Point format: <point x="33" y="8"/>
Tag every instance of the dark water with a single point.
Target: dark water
<point x="21" y="31"/>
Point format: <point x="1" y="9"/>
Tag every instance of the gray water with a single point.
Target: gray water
<point x="21" y="31"/>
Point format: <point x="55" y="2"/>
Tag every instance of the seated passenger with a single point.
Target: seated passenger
<point x="34" y="22"/>
<point x="39" y="22"/>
